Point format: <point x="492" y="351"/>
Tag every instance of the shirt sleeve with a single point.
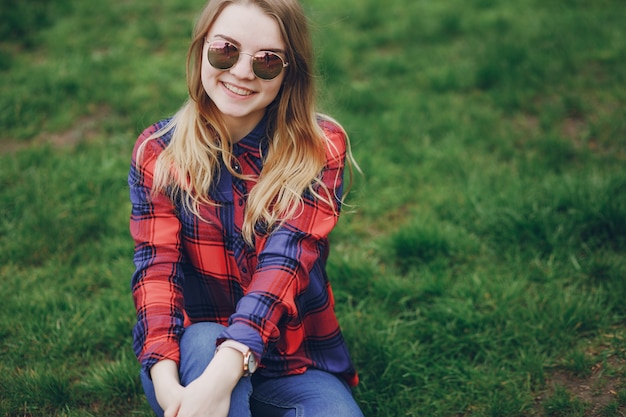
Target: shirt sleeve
<point x="157" y="281"/>
<point x="287" y="256"/>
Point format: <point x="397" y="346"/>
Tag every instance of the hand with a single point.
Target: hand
<point x="171" y="400"/>
<point x="210" y="393"/>
<point x="204" y="397"/>
<point x="167" y="386"/>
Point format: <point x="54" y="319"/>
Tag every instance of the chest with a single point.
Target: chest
<point x="212" y="241"/>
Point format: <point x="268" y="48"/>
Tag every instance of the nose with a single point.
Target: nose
<point x="243" y="67"/>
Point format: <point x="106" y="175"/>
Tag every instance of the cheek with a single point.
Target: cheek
<point x="204" y="74"/>
<point x="207" y="72"/>
<point x="276" y="86"/>
<point x="207" y="76"/>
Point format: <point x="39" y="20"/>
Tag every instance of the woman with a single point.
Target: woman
<point x="232" y="202"/>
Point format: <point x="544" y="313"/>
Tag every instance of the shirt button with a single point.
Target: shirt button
<point x="240" y="202"/>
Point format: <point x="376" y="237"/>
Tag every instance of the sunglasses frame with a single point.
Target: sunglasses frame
<point x="239" y="53"/>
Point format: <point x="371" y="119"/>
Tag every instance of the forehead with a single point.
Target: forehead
<point x="248" y="25"/>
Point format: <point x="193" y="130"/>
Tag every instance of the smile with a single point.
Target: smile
<point x="237" y="90"/>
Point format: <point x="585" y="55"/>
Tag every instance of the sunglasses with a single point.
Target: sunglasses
<point x="266" y="65"/>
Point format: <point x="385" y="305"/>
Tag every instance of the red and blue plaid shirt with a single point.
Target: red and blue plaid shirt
<point x="274" y="297"/>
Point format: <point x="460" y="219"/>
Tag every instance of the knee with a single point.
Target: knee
<point x="336" y="405"/>
<point x="199" y="336"/>
<point x="197" y="347"/>
<point x="344" y="409"/>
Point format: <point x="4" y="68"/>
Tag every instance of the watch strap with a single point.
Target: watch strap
<point x="248" y="356"/>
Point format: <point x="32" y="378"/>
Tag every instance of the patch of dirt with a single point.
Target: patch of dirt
<point x="84" y="130"/>
<point x="597" y="390"/>
<point x="575" y="129"/>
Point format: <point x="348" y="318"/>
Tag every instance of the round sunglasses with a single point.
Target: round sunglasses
<point x="266" y="65"/>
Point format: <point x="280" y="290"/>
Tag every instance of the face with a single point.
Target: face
<point x="238" y="93"/>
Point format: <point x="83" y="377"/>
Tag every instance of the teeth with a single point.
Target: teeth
<point x="236" y="90"/>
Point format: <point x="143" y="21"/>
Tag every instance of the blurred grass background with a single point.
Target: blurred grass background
<point x="481" y="269"/>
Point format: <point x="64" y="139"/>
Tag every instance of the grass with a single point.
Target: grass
<point x="481" y="270"/>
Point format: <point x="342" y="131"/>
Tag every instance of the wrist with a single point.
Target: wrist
<point x="166" y="382"/>
<point x="225" y="368"/>
<point x="249" y="363"/>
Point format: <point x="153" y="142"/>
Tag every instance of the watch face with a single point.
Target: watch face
<point x="252" y="365"/>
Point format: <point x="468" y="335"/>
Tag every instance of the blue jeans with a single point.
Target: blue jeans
<point x="313" y="394"/>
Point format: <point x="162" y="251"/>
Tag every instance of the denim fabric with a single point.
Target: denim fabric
<point x="313" y="394"/>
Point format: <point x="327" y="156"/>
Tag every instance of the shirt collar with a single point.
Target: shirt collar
<point x="254" y="141"/>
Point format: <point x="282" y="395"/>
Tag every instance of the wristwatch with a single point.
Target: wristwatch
<point x="250" y="364"/>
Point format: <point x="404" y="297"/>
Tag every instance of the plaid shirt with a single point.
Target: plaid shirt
<point x="274" y="297"/>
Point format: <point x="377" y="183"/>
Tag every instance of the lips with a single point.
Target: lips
<point x="237" y="90"/>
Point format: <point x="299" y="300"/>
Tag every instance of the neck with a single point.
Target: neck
<point x="238" y="128"/>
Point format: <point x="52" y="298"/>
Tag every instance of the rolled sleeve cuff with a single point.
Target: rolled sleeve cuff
<point x="149" y="360"/>
<point x="244" y="334"/>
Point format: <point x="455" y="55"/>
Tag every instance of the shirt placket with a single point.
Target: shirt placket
<point x="240" y="193"/>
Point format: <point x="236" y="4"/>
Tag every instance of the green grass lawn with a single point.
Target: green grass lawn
<point x="480" y="269"/>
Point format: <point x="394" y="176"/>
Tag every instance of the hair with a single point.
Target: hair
<point x="189" y="165"/>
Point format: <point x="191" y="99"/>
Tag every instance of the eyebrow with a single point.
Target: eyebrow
<point x="238" y="44"/>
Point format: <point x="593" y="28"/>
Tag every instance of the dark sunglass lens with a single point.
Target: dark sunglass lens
<point x="223" y="55"/>
<point x="267" y="65"/>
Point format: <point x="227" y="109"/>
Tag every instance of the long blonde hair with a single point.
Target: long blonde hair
<point x="189" y="165"/>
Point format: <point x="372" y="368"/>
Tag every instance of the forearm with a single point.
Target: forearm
<point x="166" y="382"/>
<point x="225" y="369"/>
<point x="211" y="391"/>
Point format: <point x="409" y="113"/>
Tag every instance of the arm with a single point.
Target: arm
<point x="157" y="291"/>
<point x="167" y="386"/>
<point x="156" y="283"/>
<point x="210" y="391"/>
<point x="286" y="260"/>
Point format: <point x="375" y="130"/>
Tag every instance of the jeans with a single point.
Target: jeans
<point x="312" y="394"/>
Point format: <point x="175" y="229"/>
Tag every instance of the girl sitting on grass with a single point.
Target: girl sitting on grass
<point x="233" y="199"/>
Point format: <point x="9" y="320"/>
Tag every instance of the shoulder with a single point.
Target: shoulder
<point x="331" y="128"/>
<point x="335" y="135"/>
<point x="153" y="140"/>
